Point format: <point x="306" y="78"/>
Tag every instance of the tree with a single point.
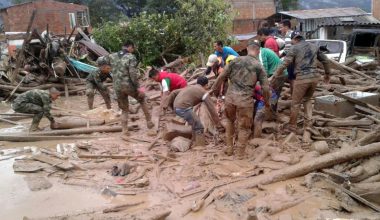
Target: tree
<point x="191" y="30"/>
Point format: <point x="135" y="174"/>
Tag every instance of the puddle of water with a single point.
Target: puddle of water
<point x="18" y="201"/>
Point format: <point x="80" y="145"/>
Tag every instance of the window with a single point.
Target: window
<point x="72" y="19"/>
<point x="82" y="19"/>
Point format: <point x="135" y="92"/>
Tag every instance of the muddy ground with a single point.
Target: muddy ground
<point x="161" y="182"/>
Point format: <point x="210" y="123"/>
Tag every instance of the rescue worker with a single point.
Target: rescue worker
<point x="126" y="83"/>
<point x="224" y="51"/>
<point x="183" y="102"/>
<point x="37" y="102"/>
<point x="268" y="40"/>
<point x="94" y="81"/>
<point x="242" y="73"/>
<point x="270" y="62"/>
<point x="214" y="64"/>
<point x="304" y="55"/>
<point x="169" y="83"/>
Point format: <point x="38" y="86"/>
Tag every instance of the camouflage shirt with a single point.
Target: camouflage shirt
<point x="124" y="71"/>
<point x="243" y="74"/>
<point x="97" y="78"/>
<point x="304" y="55"/>
<point x="36" y="97"/>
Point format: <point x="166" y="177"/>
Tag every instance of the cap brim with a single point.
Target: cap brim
<point x="209" y="64"/>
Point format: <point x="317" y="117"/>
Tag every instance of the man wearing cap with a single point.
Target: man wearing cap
<point x="37" y="102"/>
<point x="126" y="83"/>
<point x="94" y="81"/>
<point x="183" y="102"/>
<point x="304" y="55"/>
<point x="243" y="74"/>
<point x="169" y="83"/>
<point x="224" y="51"/>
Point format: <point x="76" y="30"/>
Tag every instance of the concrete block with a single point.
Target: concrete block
<point x="341" y="107"/>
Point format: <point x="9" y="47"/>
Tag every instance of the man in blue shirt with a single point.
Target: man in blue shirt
<point x="223" y="51"/>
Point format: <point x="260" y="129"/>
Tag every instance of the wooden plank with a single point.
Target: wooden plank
<point x="64" y="165"/>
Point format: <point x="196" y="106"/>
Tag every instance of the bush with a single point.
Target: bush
<point x="191" y="30"/>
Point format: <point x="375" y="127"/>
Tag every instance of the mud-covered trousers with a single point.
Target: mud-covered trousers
<point x="243" y="116"/>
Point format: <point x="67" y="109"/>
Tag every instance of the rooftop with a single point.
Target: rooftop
<point x="325" y="13"/>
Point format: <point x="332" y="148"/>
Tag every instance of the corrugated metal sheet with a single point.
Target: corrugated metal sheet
<point x="348" y="21"/>
<point x="324" y="13"/>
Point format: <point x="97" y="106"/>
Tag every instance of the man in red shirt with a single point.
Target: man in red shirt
<point x="269" y="41"/>
<point x="169" y="82"/>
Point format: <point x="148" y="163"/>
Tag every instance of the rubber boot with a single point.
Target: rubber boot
<point x="36" y="121"/>
<point x="307" y="121"/>
<point x="148" y="117"/>
<point x="240" y="152"/>
<point x="229" y="150"/>
<point x="124" y="124"/>
<point x="90" y="101"/>
<point x="200" y="140"/>
<point x="108" y="103"/>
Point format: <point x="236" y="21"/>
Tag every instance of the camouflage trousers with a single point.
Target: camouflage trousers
<point x="122" y="95"/>
<point x="30" y="108"/>
<point x="90" y="92"/>
<point x="243" y="116"/>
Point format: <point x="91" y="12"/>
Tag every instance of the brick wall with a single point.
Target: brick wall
<point x="56" y="14"/>
<point x="376" y="9"/>
<point x="249" y="11"/>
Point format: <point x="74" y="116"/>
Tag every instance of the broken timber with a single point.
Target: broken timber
<point x="64" y="165"/>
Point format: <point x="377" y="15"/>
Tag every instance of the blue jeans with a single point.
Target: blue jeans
<point x="191" y="118"/>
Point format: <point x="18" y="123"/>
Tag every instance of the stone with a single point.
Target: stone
<point x="321" y="147"/>
<point x="37" y="183"/>
<point x="180" y="144"/>
<point x="174" y="130"/>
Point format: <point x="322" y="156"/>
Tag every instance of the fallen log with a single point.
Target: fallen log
<point x="369" y="138"/>
<point x="76" y="122"/>
<point x="27" y="138"/>
<point x="363" y="188"/>
<point x="119" y="208"/>
<point x="350" y="123"/>
<point x="81" y="131"/>
<point x="351" y="70"/>
<point x="375" y="178"/>
<point x="24" y="89"/>
<point x="304" y="168"/>
<point x="174" y="130"/>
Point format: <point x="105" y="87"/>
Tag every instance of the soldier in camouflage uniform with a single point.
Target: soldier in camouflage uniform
<point x="243" y="74"/>
<point x="126" y="83"/>
<point x="95" y="81"/>
<point x="304" y="55"/>
<point x="37" y="102"/>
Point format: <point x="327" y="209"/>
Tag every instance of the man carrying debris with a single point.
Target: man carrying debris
<point x="95" y="81"/>
<point x="243" y="74"/>
<point x="304" y="55"/>
<point x="126" y="83"/>
<point x="224" y="51"/>
<point x="184" y="101"/>
<point x="37" y="102"/>
<point x="169" y="83"/>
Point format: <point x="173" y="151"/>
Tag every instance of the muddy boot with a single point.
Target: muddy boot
<point x="90" y="101"/>
<point x="34" y="127"/>
<point x="124" y="125"/>
<point x="148" y="117"/>
<point x="306" y="138"/>
<point x="199" y="140"/>
<point x="240" y="152"/>
<point x="229" y="150"/>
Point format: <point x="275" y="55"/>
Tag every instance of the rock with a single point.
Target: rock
<point x="174" y="130"/>
<point x="180" y="144"/>
<point x="37" y="183"/>
<point x="28" y="166"/>
<point x="142" y="182"/>
<point x="321" y="147"/>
